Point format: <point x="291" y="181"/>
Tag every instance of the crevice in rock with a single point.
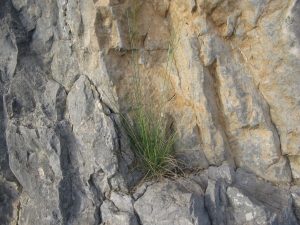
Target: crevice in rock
<point x="95" y="198"/>
<point x="137" y="217"/>
<point x="65" y="186"/>
<point x="123" y="167"/>
<point x="270" y="115"/>
<point x="212" y="85"/>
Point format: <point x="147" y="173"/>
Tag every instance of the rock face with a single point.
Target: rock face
<point x="228" y="198"/>
<point x="232" y="95"/>
<point x="247" y="200"/>
<point x="172" y="202"/>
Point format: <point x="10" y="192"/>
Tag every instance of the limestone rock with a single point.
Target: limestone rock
<point x="295" y="191"/>
<point x="216" y="202"/>
<point x="111" y="215"/>
<point x="225" y="171"/>
<point x="122" y="201"/>
<point x="9" y="198"/>
<point x="249" y="201"/>
<point x="232" y="94"/>
<point x="172" y="202"/>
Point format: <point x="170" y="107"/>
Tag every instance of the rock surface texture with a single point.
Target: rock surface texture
<point x="233" y="96"/>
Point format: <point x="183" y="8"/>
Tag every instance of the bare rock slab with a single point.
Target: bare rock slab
<point x="248" y="201"/>
<point x="179" y="202"/>
<point x="112" y="215"/>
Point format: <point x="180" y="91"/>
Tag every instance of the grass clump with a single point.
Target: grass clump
<point x="151" y="142"/>
<point x="150" y="136"/>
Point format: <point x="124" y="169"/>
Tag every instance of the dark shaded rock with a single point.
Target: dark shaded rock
<point x="9" y="197"/>
<point x="216" y="202"/>
<point x="20" y="100"/>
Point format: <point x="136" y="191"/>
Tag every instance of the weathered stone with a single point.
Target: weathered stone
<point x="295" y="167"/>
<point x="141" y="189"/>
<point x="86" y="115"/>
<point x="246" y="209"/>
<point x="270" y="204"/>
<point x="202" y="117"/>
<point x="295" y="191"/>
<point x="20" y="101"/>
<point x="64" y="65"/>
<point x="216" y="202"/>
<point x="172" y="202"/>
<point x="111" y="215"/>
<point x="249" y="201"/>
<point x="201" y="179"/>
<point x="54" y="101"/>
<point x="19" y="4"/>
<point x="28" y="16"/>
<point x="8" y="54"/>
<point x="161" y="7"/>
<point x="122" y="201"/>
<point x="225" y="171"/>
<point x="232" y="95"/>
<point x="9" y="198"/>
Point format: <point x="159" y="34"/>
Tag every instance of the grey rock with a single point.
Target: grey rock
<point x="28" y="15"/>
<point x="48" y="157"/>
<point x="60" y="151"/>
<point x="111" y="215"/>
<point x="81" y="102"/>
<point x="141" y="189"/>
<point x="20" y="100"/>
<point x="245" y="209"/>
<point x="94" y="130"/>
<point x="33" y="171"/>
<point x="216" y="202"/>
<point x="101" y="183"/>
<point x="172" y="202"/>
<point x="263" y="191"/>
<point x="19" y="4"/>
<point x="291" y="23"/>
<point x="26" y="161"/>
<point x="8" y="54"/>
<point x="192" y="156"/>
<point x="9" y="197"/>
<point x="225" y="171"/>
<point x="65" y="68"/>
<point x="201" y="179"/>
<point x="295" y="191"/>
<point x="54" y="101"/>
<point x="122" y="201"/>
<point x="231" y="20"/>
<point x="249" y="201"/>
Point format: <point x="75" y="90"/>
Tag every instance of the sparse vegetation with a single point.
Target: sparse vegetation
<point x="150" y="137"/>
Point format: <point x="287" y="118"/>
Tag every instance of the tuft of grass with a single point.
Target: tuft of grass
<point x="152" y="142"/>
<point x="146" y="128"/>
